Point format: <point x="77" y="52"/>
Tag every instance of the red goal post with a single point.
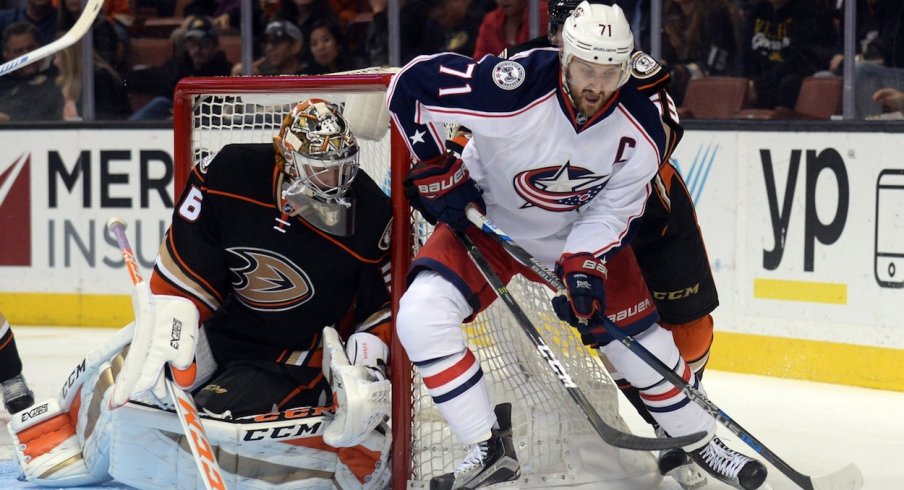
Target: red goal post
<point x="556" y="445"/>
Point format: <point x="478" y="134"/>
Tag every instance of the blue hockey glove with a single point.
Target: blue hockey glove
<point x="441" y="189"/>
<point x="585" y="277"/>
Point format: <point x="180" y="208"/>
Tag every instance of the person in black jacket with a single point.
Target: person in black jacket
<point x="202" y="57"/>
<point x="787" y="41"/>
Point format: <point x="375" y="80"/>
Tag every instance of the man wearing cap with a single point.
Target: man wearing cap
<point x="201" y="57"/>
<point x="282" y="49"/>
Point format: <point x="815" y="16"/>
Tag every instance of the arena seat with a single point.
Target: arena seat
<point x="232" y="47"/>
<point x="714" y="97"/>
<point x="149" y="51"/>
<point x="819" y="99"/>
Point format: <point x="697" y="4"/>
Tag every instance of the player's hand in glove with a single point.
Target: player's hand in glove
<point x="441" y="189"/>
<point x="584" y="277"/>
<point x="166" y="332"/>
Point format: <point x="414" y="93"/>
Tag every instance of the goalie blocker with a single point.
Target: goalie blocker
<point x="76" y="439"/>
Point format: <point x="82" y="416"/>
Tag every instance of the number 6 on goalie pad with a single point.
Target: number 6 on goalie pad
<point x="361" y="392"/>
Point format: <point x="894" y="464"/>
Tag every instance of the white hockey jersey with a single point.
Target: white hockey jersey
<point x="553" y="180"/>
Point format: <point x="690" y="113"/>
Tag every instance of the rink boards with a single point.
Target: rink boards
<point x="804" y="230"/>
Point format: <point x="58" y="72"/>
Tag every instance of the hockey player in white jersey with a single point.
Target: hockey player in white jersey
<point x="561" y="158"/>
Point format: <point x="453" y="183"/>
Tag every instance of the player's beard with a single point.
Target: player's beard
<point x="589" y="102"/>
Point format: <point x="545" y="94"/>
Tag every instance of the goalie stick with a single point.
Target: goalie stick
<point x="847" y="478"/>
<point x="81" y="26"/>
<point x="609" y="434"/>
<point x="206" y="461"/>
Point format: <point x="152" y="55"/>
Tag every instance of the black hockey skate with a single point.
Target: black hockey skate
<point x="676" y="463"/>
<point x="16" y="395"/>
<point x="488" y="462"/>
<point x="730" y="466"/>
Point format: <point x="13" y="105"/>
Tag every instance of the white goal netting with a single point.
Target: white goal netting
<point x="556" y="445"/>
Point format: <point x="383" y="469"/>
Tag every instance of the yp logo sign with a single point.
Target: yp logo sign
<point x="15" y="211"/>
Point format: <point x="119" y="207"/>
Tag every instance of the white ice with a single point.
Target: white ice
<point x="815" y="428"/>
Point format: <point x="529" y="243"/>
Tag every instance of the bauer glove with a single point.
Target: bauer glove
<point x="441" y="189"/>
<point x="584" y="277"/>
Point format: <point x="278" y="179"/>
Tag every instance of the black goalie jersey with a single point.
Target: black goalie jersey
<point x="266" y="283"/>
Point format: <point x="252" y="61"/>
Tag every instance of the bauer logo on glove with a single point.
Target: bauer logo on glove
<point x="442" y="189"/>
<point x="441" y="184"/>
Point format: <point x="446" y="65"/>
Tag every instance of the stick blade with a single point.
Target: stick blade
<point x="847" y="478"/>
<point x="627" y="440"/>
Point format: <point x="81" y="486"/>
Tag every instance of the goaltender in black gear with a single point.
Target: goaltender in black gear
<point x="278" y="252"/>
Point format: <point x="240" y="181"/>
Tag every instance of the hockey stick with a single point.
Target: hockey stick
<point x="81" y="26"/>
<point x="847" y="478"/>
<point x="609" y="434"/>
<point x="186" y="410"/>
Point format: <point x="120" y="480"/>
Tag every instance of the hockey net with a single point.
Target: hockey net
<point x="556" y="445"/>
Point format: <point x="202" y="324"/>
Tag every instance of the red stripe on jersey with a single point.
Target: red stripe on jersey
<point x="452" y="372"/>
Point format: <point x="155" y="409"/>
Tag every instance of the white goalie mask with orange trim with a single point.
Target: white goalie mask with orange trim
<point x="319" y="157"/>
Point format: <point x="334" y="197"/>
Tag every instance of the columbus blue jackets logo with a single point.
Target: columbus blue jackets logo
<point x="559" y="188"/>
<point x="267" y="281"/>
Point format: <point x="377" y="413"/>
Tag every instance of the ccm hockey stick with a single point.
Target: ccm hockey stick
<point x="847" y="478"/>
<point x="186" y="410"/>
<point x="81" y="26"/>
<point x="609" y="434"/>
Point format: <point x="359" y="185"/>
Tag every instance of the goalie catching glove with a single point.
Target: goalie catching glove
<point x="166" y="332"/>
<point x="361" y="392"/>
<point x="584" y="277"/>
<point x="441" y="189"/>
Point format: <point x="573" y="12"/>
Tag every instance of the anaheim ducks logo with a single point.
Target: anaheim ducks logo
<point x="267" y="281"/>
<point x="559" y="188"/>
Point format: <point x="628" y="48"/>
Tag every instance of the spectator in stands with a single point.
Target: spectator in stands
<point x="328" y="54"/>
<point x="29" y="93"/>
<point x="39" y="13"/>
<point x="890" y="98"/>
<point x="110" y="99"/>
<point x="202" y="57"/>
<point x="226" y="14"/>
<point x="304" y="13"/>
<point x="889" y="71"/>
<point x="457" y="26"/>
<point x="282" y="51"/>
<point x="413" y="18"/>
<point x="507" y="26"/>
<point x="70" y="10"/>
<point x="787" y="41"/>
<point x="698" y="40"/>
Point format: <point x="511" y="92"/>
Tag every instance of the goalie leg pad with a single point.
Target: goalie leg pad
<point x="366" y="466"/>
<point x="47" y="447"/>
<point x="282" y="450"/>
<point x="362" y="395"/>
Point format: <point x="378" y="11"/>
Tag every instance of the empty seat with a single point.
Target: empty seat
<point x="714" y="97"/>
<point x="819" y="98"/>
<point x="232" y="47"/>
<point x="150" y="51"/>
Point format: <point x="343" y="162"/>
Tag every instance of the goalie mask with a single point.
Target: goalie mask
<point x="600" y="37"/>
<point x="319" y="157"/>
